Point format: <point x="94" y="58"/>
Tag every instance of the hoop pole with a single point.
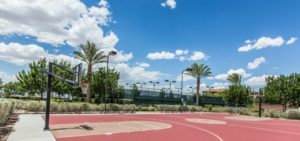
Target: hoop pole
<point x="48" y="97"/>
<point x="106" y="77"/>
<point x="260" y="102"/>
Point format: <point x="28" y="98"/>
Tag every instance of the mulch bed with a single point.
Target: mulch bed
<point x="6" y="129"/>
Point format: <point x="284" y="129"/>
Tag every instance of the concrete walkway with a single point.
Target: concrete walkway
<point x="30" y="128"/>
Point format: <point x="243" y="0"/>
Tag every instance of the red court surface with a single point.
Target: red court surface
<point x="182" y="130"/>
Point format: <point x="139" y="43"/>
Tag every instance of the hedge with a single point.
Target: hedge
<point x="31" y="106"/>
<point x="6" y="109"/>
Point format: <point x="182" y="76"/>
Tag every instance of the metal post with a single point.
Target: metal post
<point x="181" y="87"/>
<point x="106" y="77"/>
<point x="49" y="89"/>
<point x="260" y="101"/>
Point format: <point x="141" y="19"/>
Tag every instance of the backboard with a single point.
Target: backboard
<point x="77" y="73"/>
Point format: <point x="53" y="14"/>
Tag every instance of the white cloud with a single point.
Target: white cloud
<point x="21" y="55"/>
<point x="143" y="65"/>
<point x="185" y="78"/>
<point x="291" y="40"/>
<point x="161" y="55"/>
<point x="261" y="43"/>
<point x="170" y="3"/>
<point x="197" y="55"/>
<point x="73" y="61"/>
<point x="239" y="71"/>
<point x="256" y="80"/>
<point x="249" y="41"/>
<point x="7" y="77"/>
<point x="136" y="73"/>
<point x="221" y="76"/>
<point x="18" y="54"/>
<point x="218" y="85"/>
<point x="121" y="57"/>
<point x="57" y="22"/>
<point x="181" y="55"/>
<point x="231" y="71"/>
<point x="181" y="52"/>
<point x="255" y="64"/>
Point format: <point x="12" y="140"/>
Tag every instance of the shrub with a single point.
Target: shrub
<point x="34" y="106"/>
<point x="126" y="101"/>
<point x="142" y="108"/>
<point x="218" y="109"/>
<point x="184" y="108"/>
<point x="84" y="107"/>
<point x="293" y="114"/>
<point x="93" y="107"/>
<point x="243" y="111"/>
<point x="54" y="107"/>
<point x="194" y="108"/>
<point x="129" y="108"/>
<point x="6" y="109"/>
<point x="76" y="108"/>
<point x="65" y="107"/>
<point x="231" y="110"/>
<point x="205" y="109"/>
<point x="114" y="108"/>
<point x="169" y="108"/>
<point x="209" y="107"/>
<point x="272" y="113"/>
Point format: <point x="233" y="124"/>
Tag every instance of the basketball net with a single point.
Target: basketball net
<point x="84" y="87"/>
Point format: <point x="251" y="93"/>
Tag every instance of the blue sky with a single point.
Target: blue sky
<point x="157" y="39"/>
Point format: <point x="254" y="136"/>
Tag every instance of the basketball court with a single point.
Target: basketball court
<point x="172" y="127"/>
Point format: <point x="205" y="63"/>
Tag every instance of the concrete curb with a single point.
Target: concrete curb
<point x="30" y="128"/>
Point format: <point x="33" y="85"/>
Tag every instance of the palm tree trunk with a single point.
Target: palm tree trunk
<point x="198" y="91"/>
<point x="89" y="75"/>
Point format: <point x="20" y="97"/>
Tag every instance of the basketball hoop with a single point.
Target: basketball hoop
<point x="84" y="87"/>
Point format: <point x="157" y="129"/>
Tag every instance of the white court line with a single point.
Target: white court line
<point x="257" y="128"/>
<point x="253" y="122"/>
<point x="147" y="125"/>
<point x="270" y="130"/>
<point x="183" y="124"/>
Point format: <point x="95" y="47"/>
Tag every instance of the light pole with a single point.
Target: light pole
<point x="170" y="81"/>
<point x="260" y="95"/>
<point x="141" y="84"/>
<point x="178" y="89"/>
<point x="111" y="53"/>
<point x="144" y="83"/>
<point x="130" y="87"/>
<point x="209" y="88"/>
<point x="181" y="93"/>
<point x="192" y="90"/>
<point x="154" y="83"/>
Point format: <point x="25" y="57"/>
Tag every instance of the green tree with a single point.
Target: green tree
<point x="235" y="78"/>
<point x="284" y="90"/>
<point x="135" y="91"/>
<point x="1" y="84"/>
<point x="10" y="88"/>
<point x="99" y="83"/>
<point x="198" y="71"/>
<point x="162" y="94"/>
<point x="238" y="95"/>
<point x="34" y="80"/>
<point x="91" y="55"/>
<point x="58" y="86"/>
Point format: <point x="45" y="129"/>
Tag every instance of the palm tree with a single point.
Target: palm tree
<point x="198" y="71"/>
<point x="91" y="55"/>
<point x="235" y="78"/>
<point x="1" y="84"/>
